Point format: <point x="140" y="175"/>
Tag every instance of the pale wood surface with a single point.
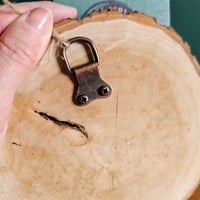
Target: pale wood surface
<point x="143" y="141"/>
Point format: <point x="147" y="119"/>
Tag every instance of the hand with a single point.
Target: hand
<point x="23" y="40"/>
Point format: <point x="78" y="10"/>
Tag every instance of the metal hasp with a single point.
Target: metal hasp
<point x="88" y="84"/>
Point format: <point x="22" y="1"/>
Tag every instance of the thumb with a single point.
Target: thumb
<point x="21" y="47"/>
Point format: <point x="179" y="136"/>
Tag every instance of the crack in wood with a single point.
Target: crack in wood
<point x="17" y="144"/>
<point x="113" y="181"/>
<point x="60" y="123"/>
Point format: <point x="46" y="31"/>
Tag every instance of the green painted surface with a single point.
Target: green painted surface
<point x="156" y="8"/>
<point x="185" y="18"/>
<point x="160" y="9"/>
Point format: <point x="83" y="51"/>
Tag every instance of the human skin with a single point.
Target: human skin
<point x="23" y="40"/>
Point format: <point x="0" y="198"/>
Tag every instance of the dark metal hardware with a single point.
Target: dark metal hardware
<point x="87" y="81"/>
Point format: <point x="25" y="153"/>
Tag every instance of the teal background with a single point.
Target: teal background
<point x="157" y="8"/>
<point x="185" y="18"/>
<point x="160" y="9"/>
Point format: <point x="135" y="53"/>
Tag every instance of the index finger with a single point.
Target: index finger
<point x="60" y="12"/>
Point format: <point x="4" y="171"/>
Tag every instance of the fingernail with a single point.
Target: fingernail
<point x="75" y="12"/>
<point x="37" y="18"/>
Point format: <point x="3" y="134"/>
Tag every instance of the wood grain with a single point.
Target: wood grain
<point x="196" y="194"/>
<point x="143" y="141"/>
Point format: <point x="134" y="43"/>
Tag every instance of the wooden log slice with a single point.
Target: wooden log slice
<point x="143" y="141"/>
